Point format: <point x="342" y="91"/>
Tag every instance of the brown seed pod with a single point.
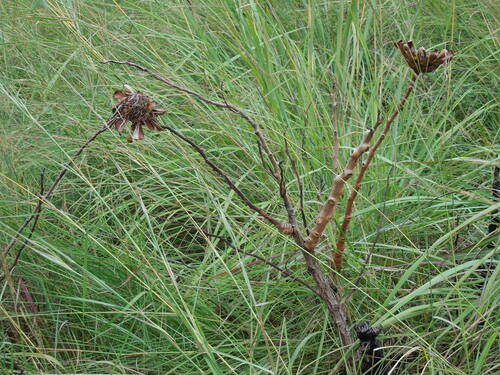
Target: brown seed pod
<point x="137" y="108"/>
<point x="420" y="60"/>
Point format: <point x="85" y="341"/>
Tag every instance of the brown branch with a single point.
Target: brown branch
<point x="262" y="160"/>
<point x="286" y="228"/>
<point x="43" y="199"/>
<point x="283" y="227"/>
<point x="326" y="289"/>
<point x="292" y="220"/>
<point x="299" y="184"/>
<point x="240" y="112"/>
<point x="328" y="209"/>
<point x="264" y="260"/>
<point x="36" y="212"/>
<point x="330" y="295"/>
<point x="348" y="211"/>
<point x="286" y="199"/>
<point x="248" y="265"/>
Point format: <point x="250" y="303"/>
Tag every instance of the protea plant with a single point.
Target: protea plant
<point x="137" y="108"/>
<point x="419" y="60"/>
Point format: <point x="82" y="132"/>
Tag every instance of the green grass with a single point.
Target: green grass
<point x="123" y="279"/>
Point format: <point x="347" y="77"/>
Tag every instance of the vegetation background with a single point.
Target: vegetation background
<point x="122" y="279"/>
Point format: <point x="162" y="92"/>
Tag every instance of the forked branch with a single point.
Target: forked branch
<point x="286" y="228"/>
<point x="364" y="166"/>
<point x="330" y="293"/>
<point x="328" y="209"/>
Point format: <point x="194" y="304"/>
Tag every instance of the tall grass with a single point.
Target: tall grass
<point x="122" y="278"/>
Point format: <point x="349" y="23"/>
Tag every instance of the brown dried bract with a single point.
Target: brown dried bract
<point x="420" y="60"/>
<point x="137" y="108"/>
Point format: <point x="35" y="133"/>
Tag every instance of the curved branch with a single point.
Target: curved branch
<point x="225" y="105"/>
<point x="350" y="201"/>
<point x="277" y="173"/>
<point x="41" y="200"/>
<point x="285" y="228"/>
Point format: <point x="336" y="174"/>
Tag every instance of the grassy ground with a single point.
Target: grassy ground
<point x="122" y="279"/>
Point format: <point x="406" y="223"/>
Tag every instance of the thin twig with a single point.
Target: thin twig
<point x="335" y="130"/>
<point x="36" y="212"/>
<point x="240" y="112"/>
<point x="264" y="260"/>
<point x="286" y="200"/>
<point x="368" y="257"/>
<point x="336" y="141"/>
<point x="348" y="211"/>
<point x="283" y="227"/>
<point x="248" y="265"/>
<point x="265" y="167"/>
<point x="292" y="220"/>
<point x="299" y="184"/>
<point x="44" y="198"/>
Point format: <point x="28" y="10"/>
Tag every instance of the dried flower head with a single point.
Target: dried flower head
<point x="421" y="61"/>
<point x="137" y="108"/>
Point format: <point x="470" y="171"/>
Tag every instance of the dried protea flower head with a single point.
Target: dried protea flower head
<point x="137" y="108"/>
<point x="420" y="60"/>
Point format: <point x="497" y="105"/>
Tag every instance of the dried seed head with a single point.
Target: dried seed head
<point x="420" y="60"/>
<point x="137" y="108"/>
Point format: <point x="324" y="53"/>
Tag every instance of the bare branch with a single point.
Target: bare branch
<point x="248" y="265"/>
<point x="285" y="228"/>
<point x="240" y="112"/>
<point x="330" y="295"/>
<point x="336" y="142"/>
<point x="348" y="211"/>
<point x="299" y="184"/>
<point x="36" y="212"/>
<point x="292" y="220"/>
<point x="44" y="198"/>
<point x="328" y="209"/>
<point x="286" y="200"/>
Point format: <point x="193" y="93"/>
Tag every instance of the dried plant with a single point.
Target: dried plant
<point x="140" y="110"/>
<point x="420" y="60"/>
<point x="137" y="108"/>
